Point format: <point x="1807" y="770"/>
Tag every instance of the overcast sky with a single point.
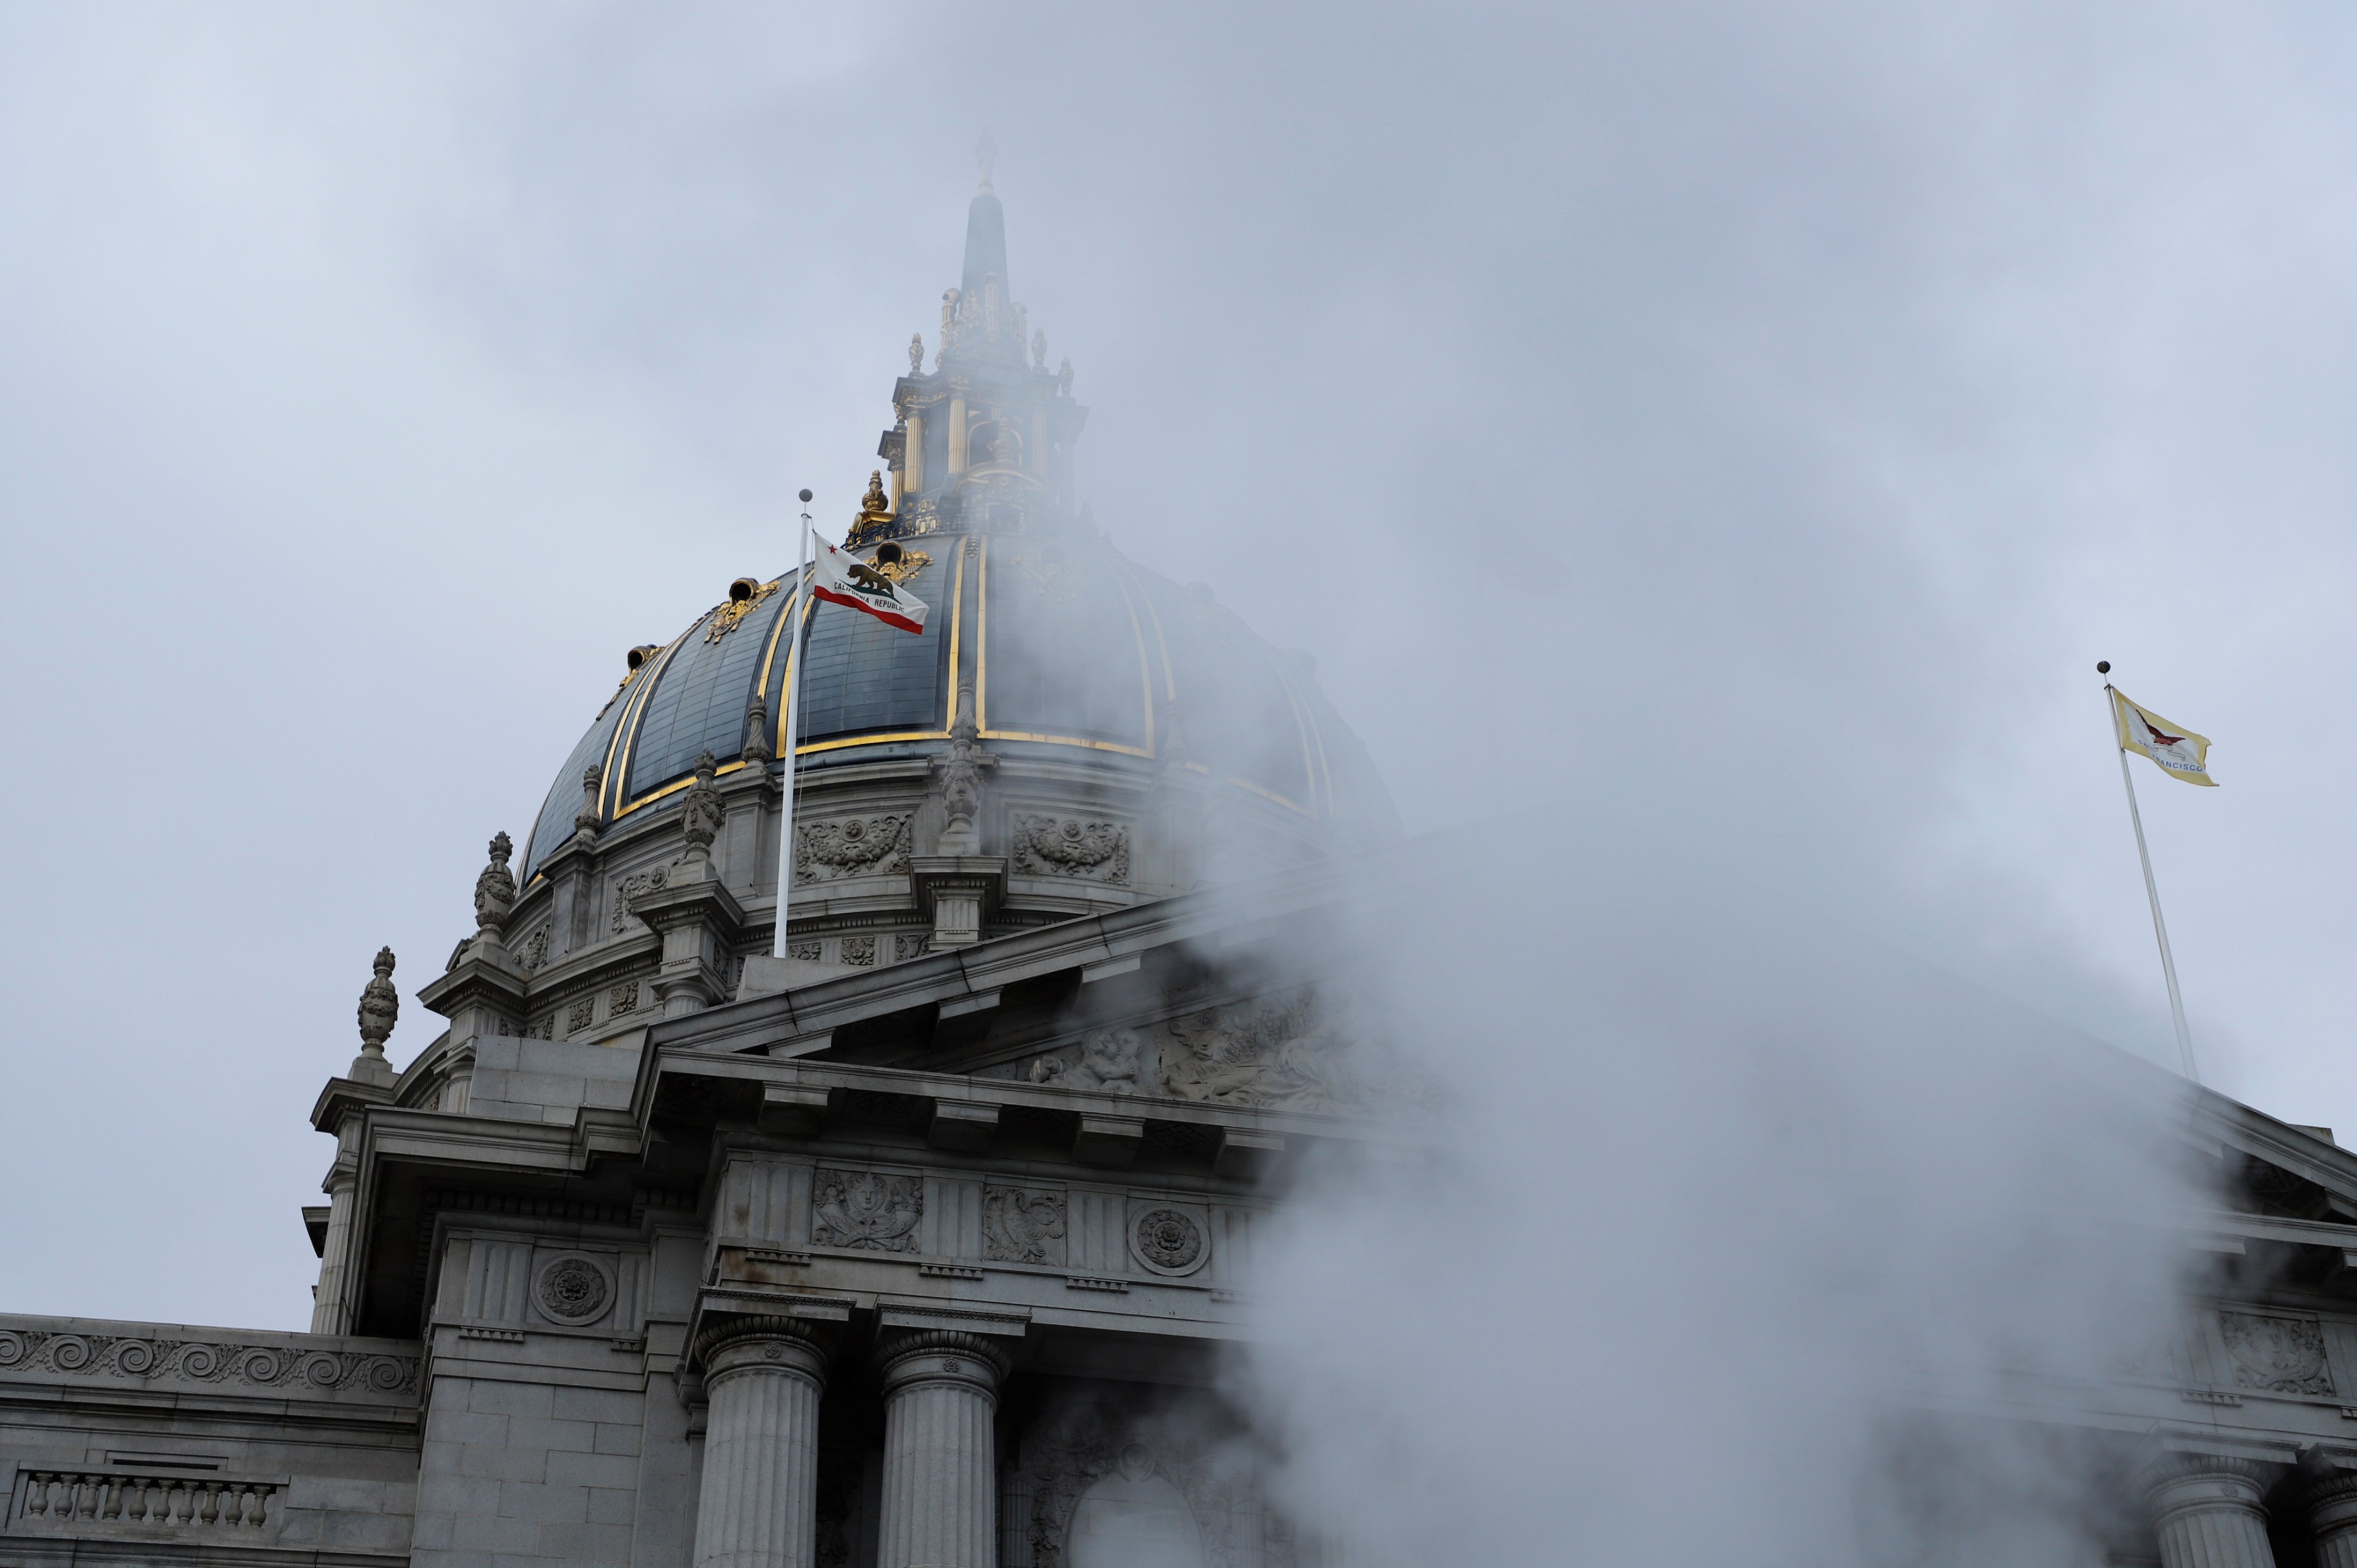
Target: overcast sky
<point x="1682" y="423"/>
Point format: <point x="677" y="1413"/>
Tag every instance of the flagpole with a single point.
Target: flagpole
<point x="799" y="607"/>
<point x="2151" y="888"/>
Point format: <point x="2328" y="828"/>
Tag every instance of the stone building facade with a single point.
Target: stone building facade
<point x="918" y="1245"/>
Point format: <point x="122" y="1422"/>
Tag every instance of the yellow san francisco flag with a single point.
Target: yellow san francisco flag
<point x="2180" y="753"/>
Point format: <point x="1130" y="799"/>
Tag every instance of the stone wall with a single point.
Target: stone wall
<point x="145" y="1441"/>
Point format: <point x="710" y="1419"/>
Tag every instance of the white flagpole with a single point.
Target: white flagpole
<point x="2151" y="888"/>
<point x="798" y="608"/>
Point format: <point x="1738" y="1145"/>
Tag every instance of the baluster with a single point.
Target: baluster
<point x="110" y="1507"/>
<point x="86" y="1491"/>
<point x="211" y="1509"/>
<point x="262" y="1496"/>
<point x="36" y="1495"/>
<point x="145" y="1506"/>
<point x="252" y="1513"/>
<point x="177" y="1503"/>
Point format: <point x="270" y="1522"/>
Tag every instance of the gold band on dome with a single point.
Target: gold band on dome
<point x="982" y="679"/>
<point x="609" y="787"/>
<point x="654" y="795"/>
<point x="799" y="609"/>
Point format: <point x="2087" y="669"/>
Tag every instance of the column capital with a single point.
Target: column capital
<point x="2175" y="1484"/>
<point x="908" y="1357"/>
<point x="752" y="1343"/>
<point x="2329" y="1489"/>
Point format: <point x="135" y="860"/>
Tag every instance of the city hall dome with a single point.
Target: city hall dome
<point x="1070" y="733"/>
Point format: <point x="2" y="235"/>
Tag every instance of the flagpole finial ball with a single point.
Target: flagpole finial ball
<point x="2103" y="666"/>
<point x="806" y="495"/>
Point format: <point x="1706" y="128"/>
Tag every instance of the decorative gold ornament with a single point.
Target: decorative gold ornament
<point x="744" y="594"/>
<point x="910" y="562"/>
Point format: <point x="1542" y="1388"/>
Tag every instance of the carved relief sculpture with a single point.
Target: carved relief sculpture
<point x="1071" y="847"/>
<point x="851" y="846"/>
<point x="2279" y="1354"/>
<point x="1023" y="1225"/>
<point x="1111" y="1060"/>
<point x="1290" y="1054"/>
<point x="628" y="888"/>
<point x="866" y="1211"/>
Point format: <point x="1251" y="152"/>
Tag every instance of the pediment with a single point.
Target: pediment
<point x="1229" y="997"/>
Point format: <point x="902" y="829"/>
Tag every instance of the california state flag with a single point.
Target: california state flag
<point x="2180" y="753"/>
<point x="842" y="578"/>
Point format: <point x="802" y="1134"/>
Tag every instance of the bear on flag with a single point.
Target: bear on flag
<point x="842" y="578"/>
<point x="2180" y="753"/>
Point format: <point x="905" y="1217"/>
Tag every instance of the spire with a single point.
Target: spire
<point x="985" y="229"/>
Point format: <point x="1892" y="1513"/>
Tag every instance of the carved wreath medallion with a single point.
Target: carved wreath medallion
<point x="866" y="1211"/>
<point x="1071" y="847"/>
<point x="1168" y="1240"/>
<point x="573" y="1290"/>
<point x="852" y="846"/>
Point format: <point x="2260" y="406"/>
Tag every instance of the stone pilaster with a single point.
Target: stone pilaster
<point x="699" y="920"/>
<point x="758" y="1506"/>
<point x="941" y="1481"/>
<point x="338" y="1113"/>
<point x="2207" y="1511"/>
<point x="959" y="892"/>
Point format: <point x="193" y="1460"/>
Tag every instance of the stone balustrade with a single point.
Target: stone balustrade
<point x="194" y="1505"/>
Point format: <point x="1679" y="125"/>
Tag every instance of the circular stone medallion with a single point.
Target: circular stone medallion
<point x="1168" y="1240"/>
<point x="573" y="1290"/>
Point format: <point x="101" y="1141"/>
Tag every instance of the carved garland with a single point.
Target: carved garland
<point x="852" y="846"/>
<point x="1071" y="847"/>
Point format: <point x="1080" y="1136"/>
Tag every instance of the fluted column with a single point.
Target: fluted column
<point x="941" y="1395"/>
<point x="2333" y="1518"/>
<point x="2207" y="1512"/>
<point x="759" y="1508"/>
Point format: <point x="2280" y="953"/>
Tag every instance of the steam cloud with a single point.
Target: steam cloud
<point x="1744" y="1238"/>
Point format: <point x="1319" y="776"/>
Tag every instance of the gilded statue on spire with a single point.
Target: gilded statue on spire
<point x="985" y="153"/>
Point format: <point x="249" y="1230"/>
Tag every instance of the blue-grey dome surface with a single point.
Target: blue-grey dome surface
<point x="1070" y="647"/>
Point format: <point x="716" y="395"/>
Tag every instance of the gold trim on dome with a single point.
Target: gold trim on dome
<point x="982" y="678"/>
<point x="1272" y="795"/>
<point x="769" y="654"/>
<point x="957" y="615"/>
<point x="677" y="784"/>
<point x="626" y="730"/>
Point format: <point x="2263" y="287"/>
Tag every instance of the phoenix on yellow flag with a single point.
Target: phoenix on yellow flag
<point x="2180" y="753"/>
